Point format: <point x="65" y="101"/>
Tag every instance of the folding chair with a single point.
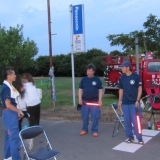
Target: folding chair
<point x="119" y="120"/>
<point x="39" y="152"/>
<point x="153" y="99"/>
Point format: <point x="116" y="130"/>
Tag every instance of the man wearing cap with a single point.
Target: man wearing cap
<point x="130" y="91"/>
<point x="90" y="97"/>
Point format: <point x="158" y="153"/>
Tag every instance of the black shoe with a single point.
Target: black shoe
<point x="141" y="141"/>
<point x="130" y="140"/>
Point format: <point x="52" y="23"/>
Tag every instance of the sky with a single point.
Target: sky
<point x="102" y="17"/>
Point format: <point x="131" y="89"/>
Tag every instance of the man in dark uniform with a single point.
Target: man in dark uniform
<point x="130" y="91"/>
<point x="10" y="116"/>
<point x="90" y="97"/>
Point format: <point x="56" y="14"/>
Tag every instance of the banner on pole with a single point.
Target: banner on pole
<point x="78" y="28"/>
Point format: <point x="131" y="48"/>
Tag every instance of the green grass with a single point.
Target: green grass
<point x="64" y="92"/>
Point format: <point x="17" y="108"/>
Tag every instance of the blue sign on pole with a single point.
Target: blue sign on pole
<point x="77" y="19"/>
<point x="78" y="32"/>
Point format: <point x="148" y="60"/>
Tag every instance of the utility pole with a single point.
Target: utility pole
<point x="51" y="70"/>
<point x="137" y="56"/>
<point x="49" y="34"/>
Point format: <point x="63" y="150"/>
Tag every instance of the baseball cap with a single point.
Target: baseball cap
<point x="125" y="64"/>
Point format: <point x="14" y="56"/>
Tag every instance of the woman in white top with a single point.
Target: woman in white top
<point x="32" y="99"/>
<point x="21" y="104"/>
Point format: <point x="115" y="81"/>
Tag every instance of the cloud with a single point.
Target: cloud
<point x="124" y="6"/>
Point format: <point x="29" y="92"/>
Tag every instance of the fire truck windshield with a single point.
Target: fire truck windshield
<point x="154" y="67"/>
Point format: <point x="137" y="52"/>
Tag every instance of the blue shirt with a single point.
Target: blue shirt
<point x="6" y="94"/>
<point x="90" y="88"/>
<point x="130" y="85"/>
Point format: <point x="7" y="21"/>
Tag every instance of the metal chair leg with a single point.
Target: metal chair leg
<point x="115" y="131"/>
<point x="113" y="134"/>
<point x="150" y="117"/>
<point x="24" y="156"/>
<point x="154" y="119"/>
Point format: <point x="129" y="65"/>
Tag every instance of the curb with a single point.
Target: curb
<point x="71" y="114"/>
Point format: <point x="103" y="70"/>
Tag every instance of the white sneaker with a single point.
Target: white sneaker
<point x="10" y="158"/>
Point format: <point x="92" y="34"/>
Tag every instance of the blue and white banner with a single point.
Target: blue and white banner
<point x="78" y="28"/>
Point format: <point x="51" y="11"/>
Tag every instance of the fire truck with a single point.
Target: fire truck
<point x="149" y="70"/>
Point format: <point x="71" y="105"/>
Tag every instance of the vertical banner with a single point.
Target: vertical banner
<point x="78" y="28"/>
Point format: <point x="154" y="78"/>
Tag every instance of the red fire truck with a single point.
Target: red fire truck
<point x="149" y="70"/>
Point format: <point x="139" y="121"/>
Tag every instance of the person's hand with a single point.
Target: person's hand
<point x="137" y="104"/>
<point x="100" y="103"/>
<point x="20" y="114"/>
<point x="119" y="105"/>
<point x="80" y="101"/>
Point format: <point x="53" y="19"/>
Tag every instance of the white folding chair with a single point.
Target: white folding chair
<point x="118" y="121"/>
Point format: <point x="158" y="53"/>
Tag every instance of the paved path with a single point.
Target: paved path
<point x="64" y="137"/>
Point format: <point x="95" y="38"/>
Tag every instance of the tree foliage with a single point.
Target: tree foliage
<point x="149" y="38"/>
<point x="62" y="63"/>
<point x="152" y="33"/>
<point x="15" y="50"/>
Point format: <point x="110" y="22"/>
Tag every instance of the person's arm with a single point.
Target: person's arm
<point x="120" y="95"/>
<point x="139" y="83"/>
<point x="80" y="92"/>
<point x="139" y="93"/>
<point x="138" y="96"/>
<point x="100" y="93"/>
<point x="13" y="108"/>
<point x="120" y="85"/>
<point x="120" y="98"/>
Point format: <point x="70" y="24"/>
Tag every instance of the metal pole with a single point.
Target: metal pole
<point x="72" y="58"/>
<point x="50" y="49"/>
<point x="84" y="29"/>
<point x="137" y="56"/>
<point x="49" y="33"/>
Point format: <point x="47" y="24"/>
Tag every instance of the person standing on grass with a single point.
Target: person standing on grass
<point x="32" y="99"/>
<point x="130" y="91"/>
<point x="10" y="115"/>
<point x="90" y="91"/>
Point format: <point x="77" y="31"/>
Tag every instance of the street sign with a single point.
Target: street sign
<point x="77" y="38"/>
<point x="78" y="28"/>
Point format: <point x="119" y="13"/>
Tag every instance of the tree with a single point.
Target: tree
<point x="42" y="63"/>
<point x="15" y="50"/>
<point x="115" y="53"/>
<point x="32" y="69"/>
<point x="91" y="56"/>
<point x="127" y="41"/>
<point x="62" y="65"/>
<point x="152" y="33"/>
<point x="149" y="39"/>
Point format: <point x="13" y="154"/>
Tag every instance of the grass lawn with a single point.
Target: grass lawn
<point x="63" y="87"/>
